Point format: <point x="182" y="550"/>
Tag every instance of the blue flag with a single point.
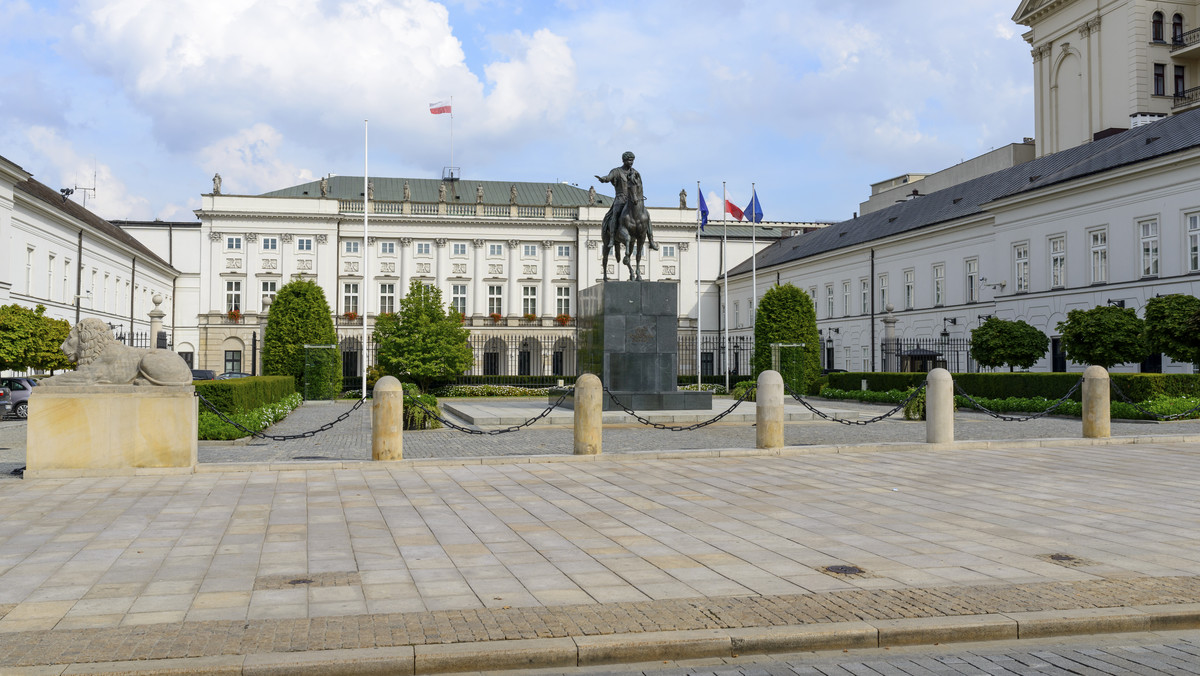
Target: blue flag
<point x="703" y="211"/>
<point x="754" y="209"/>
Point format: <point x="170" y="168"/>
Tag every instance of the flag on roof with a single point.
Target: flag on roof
<point x="754" y="209"/>
<point x="703" y="211"/>
<point x="733" y="210"/>
<point x="439" y="107"/>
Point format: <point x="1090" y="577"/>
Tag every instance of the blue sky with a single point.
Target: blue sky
<point x="811" y="101"/>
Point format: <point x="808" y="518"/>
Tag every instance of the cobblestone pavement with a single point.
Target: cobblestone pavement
<point x="221" y="563"/>
<point x="351" y="439"/>
<point x="1176" y="652"/>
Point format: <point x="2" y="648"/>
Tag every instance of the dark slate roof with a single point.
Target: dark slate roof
<point x="736" y="230"/>
<point x="55" y="200"/>
<point x="1163" y="137"/>
<point x="426" y="190"/>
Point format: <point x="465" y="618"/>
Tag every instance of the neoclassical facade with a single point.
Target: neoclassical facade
<point x="56" y="253"/>
<point x="510" y="257"/>
<point x="1102" y="67"/>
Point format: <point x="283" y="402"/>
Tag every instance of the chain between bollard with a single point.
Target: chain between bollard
<point x="467" y="430"/>
<point x="679" y="428"/>
<point x="1016" y="418"/>
<point x="1157" y="416"/>
<point x="844" y="421"/>
<point x="281" y="437"/>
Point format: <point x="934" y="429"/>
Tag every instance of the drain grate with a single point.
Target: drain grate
<point x="845" y="570"/>
<point x="1068" y="560"/>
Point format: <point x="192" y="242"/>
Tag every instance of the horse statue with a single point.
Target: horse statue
<point x="630" y="231"/>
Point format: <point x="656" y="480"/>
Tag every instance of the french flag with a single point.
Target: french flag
<point x="439" y="107"/>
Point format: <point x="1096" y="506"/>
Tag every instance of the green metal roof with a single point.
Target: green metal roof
<point x="461" y="191"/>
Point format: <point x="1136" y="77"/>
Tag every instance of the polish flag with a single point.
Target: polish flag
<point x="733" y="210"/>
<point x="439" y="107"/>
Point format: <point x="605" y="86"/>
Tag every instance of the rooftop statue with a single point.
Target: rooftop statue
<point x="216" y="184"/>
<point x="101" y="359"/>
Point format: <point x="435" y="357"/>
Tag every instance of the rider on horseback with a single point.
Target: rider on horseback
<point x="628" y="184"/>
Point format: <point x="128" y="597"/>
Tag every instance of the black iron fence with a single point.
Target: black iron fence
<point x="921" y="355"/>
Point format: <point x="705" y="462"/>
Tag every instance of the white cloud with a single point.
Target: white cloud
<point x="111" y="199"/>
<point x="248" y="162"/>
<point x="314" y="70"/>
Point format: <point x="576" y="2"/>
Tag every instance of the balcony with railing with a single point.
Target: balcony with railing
<point x="1186" y="45"/>
<point x="1186" y="98"/>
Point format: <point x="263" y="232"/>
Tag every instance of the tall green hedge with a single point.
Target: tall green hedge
<point x="1136" y="386"/>
<point x="241" y="395"/>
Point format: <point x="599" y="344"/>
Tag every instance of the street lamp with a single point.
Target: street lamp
<point x="1116" y="303"/>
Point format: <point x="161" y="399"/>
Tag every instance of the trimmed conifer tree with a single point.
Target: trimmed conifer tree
<point x="786" y="316"/>
<point x="300" y="316"/>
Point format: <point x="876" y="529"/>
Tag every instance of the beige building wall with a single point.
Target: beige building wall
<point x="1094" y="66"/>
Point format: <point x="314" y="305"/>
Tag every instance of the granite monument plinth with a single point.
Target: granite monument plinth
<point x="628" y="336"/>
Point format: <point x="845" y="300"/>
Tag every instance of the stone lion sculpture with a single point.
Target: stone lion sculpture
<point x="101" y="360"/>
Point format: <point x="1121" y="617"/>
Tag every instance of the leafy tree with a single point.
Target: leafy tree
<point x="786" y="315"/>
<point x="1103" y="336"/>
<point x="999" y="342"/>
<point x="423" y="341"/>
<point x="1170" y="327"/>
<point x="30" y="339"/>
<point x="49" y="355"/>
<point x="300" y="316"/>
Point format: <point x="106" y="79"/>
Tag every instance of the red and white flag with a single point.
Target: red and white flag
<point x="733" y="210"/>
<point x="439" y="107"/>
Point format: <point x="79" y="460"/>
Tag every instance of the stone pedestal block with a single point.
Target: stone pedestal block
<point x="628" y="336"/>
<point x="110" y="429"/>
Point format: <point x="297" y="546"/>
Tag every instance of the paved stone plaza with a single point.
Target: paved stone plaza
<point x="556" y="561"/>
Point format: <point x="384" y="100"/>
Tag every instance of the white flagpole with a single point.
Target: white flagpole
<point x="366" y="260"/>
<point x="753" y="255"/>
<point x="699" y="197"/>
<point x="452" y="137"/>
<point x="725" y="274"/>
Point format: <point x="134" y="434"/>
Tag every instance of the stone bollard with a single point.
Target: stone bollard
<point x="1096" y="412"/>
<point x="589" y="414"/>
<point x="387" y="420"/>
<point x="939" y="407"/>
<point x="768" y="410"/>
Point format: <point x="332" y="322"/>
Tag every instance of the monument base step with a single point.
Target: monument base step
<point x="647" y="401"/>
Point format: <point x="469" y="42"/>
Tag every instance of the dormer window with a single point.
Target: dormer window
<point x="1156" y="27"/>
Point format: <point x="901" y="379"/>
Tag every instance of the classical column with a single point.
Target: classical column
<point x="406" y="268"/>
<point x="548" y="307"/>
<point x="440" y="266"/>
<point x="512" y="304"/>
<point x="476" y="302"/>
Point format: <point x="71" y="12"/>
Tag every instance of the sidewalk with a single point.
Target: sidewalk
<point x="499" y="562"/>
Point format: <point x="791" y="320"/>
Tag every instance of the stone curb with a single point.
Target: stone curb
<point x="786" y="451"/>
<point x="655" y="646"/>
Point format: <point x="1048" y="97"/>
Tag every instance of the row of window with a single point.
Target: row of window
<point x="1149" y="260"/>
<point x="234" y="243"/>
<point x="387" y="297"/>
<point x="937" y="272"/>
<point x="110" y="294"/>
<point x="1160" y="80"/>
<point x="1156" y="28"/>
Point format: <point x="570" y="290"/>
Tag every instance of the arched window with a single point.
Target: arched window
<point x="1177" y="29"/>
<point x="1156" y="27"/>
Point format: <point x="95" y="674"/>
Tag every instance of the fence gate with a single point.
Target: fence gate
<point x="322" y="372"/>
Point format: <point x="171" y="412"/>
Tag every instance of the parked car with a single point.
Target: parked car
<point x="19" y="389"/>
<point x="204" y="374"/>
<point x="5" y="401"/>
<point x="232" y="374"/>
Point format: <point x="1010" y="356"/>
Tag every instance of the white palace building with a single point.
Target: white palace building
<point x="510" y="257"/>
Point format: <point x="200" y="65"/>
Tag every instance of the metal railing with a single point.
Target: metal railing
<point x="1186" y="40"/>
<point x="1185" y="97"/>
